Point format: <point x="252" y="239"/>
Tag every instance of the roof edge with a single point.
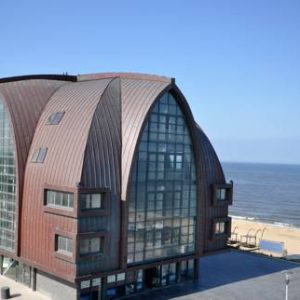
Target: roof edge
<point x="92" y="76"/>
<point x="39" y="76"/>
<point x="124" y="75"/>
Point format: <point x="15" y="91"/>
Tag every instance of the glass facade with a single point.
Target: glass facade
<point x="7" y="184"/>
<point x="162" y="191"/>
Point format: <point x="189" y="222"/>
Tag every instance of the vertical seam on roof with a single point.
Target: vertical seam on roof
<point x="92" y="119"/>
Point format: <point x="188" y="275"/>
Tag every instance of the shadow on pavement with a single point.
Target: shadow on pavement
<point x="222" y="269"/>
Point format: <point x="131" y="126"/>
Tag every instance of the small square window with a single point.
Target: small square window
<point x="85" y="284"/>
<point x="96" y="282"/>
<point x="121" y="277"/>
<point x="222" y="194"/>
<point x="111" y="278"/>
<point x="64" y="245"/>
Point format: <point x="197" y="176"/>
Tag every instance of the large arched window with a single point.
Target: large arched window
<point x="7" y="184"/>
<point x="162" y="191"/>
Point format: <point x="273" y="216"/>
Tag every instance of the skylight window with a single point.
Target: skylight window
<point x="55" y="118"/>
<point x="39" y="155"/>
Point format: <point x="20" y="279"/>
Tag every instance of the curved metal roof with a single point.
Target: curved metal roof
<point x="66" y="142"/>
<point x="62" y="167"/>
<point x="25" y="101"/>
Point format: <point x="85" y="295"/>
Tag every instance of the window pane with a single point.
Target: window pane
<point x="64" y="245"/>
<point x="91" y="201"/>
<point x="91" y="245"/>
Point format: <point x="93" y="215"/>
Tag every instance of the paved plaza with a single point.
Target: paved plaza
<point x="19" y="291"/>
<point x="235" y="275"/>
<point x="231" y="275"/>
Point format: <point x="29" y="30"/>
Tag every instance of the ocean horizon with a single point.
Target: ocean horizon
<point x="266" y="192"/>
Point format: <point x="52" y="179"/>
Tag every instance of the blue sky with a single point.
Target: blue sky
<point x="236" y="61"/>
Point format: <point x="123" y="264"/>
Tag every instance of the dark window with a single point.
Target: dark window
<point x="221" y="194"/>
<point x="55" y="118"/>
<point x="59" y="199"/>
<point x="92" y="245"/>
<point x="220" y="227"/>
<point x="39" y="155"/>
<point x="92" y="201"/>
<point x="64" y="245"/>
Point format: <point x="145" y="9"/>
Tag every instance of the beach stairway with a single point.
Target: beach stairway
<point x="233" y="240"/>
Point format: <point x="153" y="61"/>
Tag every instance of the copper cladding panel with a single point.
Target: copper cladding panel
<point x="25" y="101"/>
<point x="102" y="169"/>
<point x="137" y="98"/>
<point x="211" y="173"/>
<point x="62" y="167"/>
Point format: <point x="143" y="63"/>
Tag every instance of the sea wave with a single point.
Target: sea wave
<point x="243" y="218"/>
<point x="274" y="223"/>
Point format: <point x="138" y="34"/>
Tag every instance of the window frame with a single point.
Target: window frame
<point x="103" y="211"/>
<point x="82" y="236"/>
<point x="61" y="207"/>
<point x="72" y="213"/>
<point x="227" y="228"/>
<point x="68" y="240"/>
<point x="39" y="155"/>
<point x="228" y="187"/>
<point x="61" y="255"/>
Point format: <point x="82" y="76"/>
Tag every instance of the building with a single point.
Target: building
<point x="107" y="185"/>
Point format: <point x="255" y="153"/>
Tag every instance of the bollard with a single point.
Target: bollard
<point x="5" y="292"/>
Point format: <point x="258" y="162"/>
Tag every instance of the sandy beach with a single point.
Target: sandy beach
<point x="289" y="235"/>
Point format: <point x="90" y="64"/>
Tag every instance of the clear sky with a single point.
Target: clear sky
<point x="237" y="61"/>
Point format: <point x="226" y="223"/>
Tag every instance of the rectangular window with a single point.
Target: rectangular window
<point x="64" y="245"/>
<point x="221" y="194"/>
<point x="220" y="227"/>
<point x="39" y="155"/>
<point x="59" y="199"/>
<point x="111" y="278"/>
<point x="92" y="201"/>
<point x="91" y="246"/>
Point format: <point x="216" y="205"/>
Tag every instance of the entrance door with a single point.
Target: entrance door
<point x="152" y="277"/>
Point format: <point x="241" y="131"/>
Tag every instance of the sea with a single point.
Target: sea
<point x="268" y="193"/>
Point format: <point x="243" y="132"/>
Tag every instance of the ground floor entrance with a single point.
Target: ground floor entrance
<point x="16" y="270"/>
<point x="134" y="280"/>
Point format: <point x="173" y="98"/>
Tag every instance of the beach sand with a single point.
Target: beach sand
<point x="289" y="235"/>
